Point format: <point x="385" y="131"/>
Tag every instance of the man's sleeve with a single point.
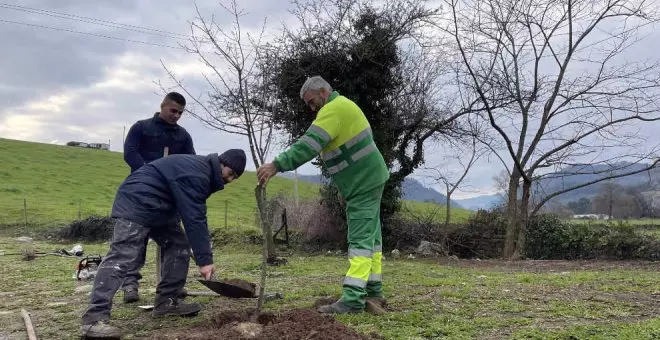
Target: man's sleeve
<point x="132" y="147"/>
<point x="190" y="200"/>
<point x="323" y="130"/>
<point x="189" y="149"/>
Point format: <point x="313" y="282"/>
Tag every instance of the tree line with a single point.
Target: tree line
<point x="538" y="85"/>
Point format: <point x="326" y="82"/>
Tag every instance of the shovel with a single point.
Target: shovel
<point x="231" y="288"/>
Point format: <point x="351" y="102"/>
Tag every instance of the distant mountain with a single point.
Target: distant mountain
<point x="412" y="189"/>
<point x="480" y="202"/>
<point x="565" y="179"/>
<point x="415" y="191"/>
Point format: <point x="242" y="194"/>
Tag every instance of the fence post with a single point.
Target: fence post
<point x="226" y="203"/>
<point x="79" y="210"/>
<point x="25" y="212"/>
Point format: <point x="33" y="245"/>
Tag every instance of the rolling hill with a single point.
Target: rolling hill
<point x="560" y="180"/>
<point x="57" y="183"/>
<point x="412" y="189"/>
<point x="51" y="184"/>
<point x="480" y="202"/>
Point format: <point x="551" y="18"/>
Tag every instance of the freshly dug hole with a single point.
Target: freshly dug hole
<point x="292" y="325"/>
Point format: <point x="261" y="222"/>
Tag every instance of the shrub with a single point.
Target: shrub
<point x="482" y="236"/>
<point x="549" y="237"/>
<point x="91" y="229"/>
<point x="226" y="236"/>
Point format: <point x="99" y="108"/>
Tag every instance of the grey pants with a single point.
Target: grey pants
<point x="133" y="276"/>
<point x="128" y="243"/>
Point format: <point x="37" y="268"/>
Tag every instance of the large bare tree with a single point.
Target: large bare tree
<point x="462" y="151"/>
<point x="578" y="95"/>
<point x="237" y="101"/>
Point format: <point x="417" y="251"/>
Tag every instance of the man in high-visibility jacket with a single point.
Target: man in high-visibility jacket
<point x="342" y="136"/>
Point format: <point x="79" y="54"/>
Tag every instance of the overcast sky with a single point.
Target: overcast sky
<point x="57" y="85"/>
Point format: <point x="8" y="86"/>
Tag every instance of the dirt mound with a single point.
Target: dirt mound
<point x="292" y="325"/>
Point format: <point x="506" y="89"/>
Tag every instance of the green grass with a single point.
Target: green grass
<point x="59" y="183"/>
<point x="428" y="299"/>
<point x="426" y="211"/>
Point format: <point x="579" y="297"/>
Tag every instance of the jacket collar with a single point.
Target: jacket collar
<point x="333" y="95"/>
<point x="217" y="183"/>
<point x="156" y="119"/>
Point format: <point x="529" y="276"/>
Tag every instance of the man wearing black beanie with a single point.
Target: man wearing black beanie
<point x="145" y="202"/>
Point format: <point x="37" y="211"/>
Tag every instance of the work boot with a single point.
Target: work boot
<point x="99" y="330"/>
<point x="339" y="307"/>
<point x="379" y="300"/>
<point x="131" y="295"/>
<point x="173" y="307"/>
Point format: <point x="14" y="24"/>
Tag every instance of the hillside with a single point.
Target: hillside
<point x="480" y="202"/>
<point x="412" y="189"/>
<point x="650" y="180"/>
<point x="56" y="184"/>
<point x="559" y="180"/>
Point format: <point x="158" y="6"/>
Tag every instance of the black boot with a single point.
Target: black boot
<point x="174" y="307"/>
<point x="100" y="330"/>
<point x="131" y="295"/>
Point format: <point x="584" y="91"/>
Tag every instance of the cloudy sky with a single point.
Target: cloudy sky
<point x="69" y="73"/>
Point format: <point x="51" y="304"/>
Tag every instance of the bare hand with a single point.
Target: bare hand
<point x="265" y="172"/>
<point x="207" y="271"/>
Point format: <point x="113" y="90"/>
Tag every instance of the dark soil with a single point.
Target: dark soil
<point x="301" y="324"/>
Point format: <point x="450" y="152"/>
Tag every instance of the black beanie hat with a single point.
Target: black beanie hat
<point x="235" y="159"/>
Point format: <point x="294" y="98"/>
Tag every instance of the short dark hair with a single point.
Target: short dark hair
<point x="177" y="98"/>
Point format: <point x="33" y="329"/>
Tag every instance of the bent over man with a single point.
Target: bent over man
<point x="144" y="205"/>
<point x="342" y="136"/>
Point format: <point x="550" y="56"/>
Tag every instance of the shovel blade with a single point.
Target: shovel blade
<point x="232" y="289"/>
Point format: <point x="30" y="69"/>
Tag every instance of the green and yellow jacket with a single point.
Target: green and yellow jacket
<point x="342" y="136"/>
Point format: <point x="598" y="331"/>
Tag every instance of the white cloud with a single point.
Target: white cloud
<point x="24" y="127"/>
<point x="54" y="104"/>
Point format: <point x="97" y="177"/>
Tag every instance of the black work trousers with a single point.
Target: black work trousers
<point x="128" y="244"/>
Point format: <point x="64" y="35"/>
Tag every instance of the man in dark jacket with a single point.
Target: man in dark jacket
<point x="147" y="138"/>
<point x="146" y="141"/>
<point x="144" y="205"/>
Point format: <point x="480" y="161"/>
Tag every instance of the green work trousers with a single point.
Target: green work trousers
<point x="365" y="250"/>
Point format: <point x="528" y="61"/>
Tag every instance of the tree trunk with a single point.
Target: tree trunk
<point x="260" y="195"/>
<point x="445" y="240"/>
<point x="523" y="218"/>
<point x="512" y="217"/>
<point x="447" y="212"/>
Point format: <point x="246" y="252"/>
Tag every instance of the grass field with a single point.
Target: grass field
<point x="59" y="183"/>
<point x="428" y="299"/>
<point x="56" y="181"/>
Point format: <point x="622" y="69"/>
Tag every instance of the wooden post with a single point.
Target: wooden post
<point x="25" y="212"/>
<point x="28" y="325"/>
<point x="166" y="151"/>
<point x="226" y="208"/>
<point x="295" y="186"/>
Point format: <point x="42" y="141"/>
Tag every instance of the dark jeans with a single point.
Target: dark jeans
<point x="128" y="242"/>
